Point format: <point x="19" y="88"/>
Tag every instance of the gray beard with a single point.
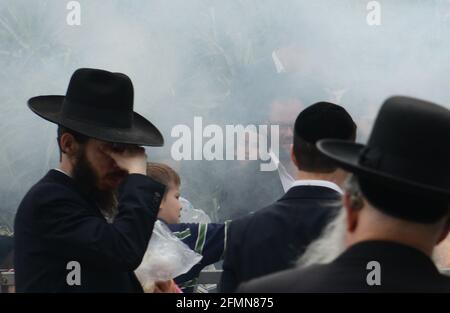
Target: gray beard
<point x="329" y="245"/>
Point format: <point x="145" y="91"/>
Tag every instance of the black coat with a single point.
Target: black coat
<point x="273" y="238"/>
<point x="402" y="269"/>
<point x="56" y="224"/>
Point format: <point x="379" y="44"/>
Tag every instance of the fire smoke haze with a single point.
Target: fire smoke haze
<point x="212" y="59"/>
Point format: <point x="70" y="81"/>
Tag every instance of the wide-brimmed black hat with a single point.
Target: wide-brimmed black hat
<point x="99" y="104"/>
<point x="408" y="149"/>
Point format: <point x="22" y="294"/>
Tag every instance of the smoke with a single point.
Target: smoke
<point x="213" y="59"/>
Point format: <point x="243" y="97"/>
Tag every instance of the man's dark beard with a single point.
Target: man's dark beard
<point x="87" y="181"/>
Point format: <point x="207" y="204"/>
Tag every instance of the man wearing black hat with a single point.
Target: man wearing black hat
<point x="274" y="237"/>
<point x="63" y="240"/>
<point x="396" y="207"/>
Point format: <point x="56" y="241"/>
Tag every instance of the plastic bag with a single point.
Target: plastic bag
<point x="191" y="215"/>
<point x="166" y="258"/>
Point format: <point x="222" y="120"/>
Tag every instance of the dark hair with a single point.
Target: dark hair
<point x="78" y="137"/>
<point x="319" y="121"/>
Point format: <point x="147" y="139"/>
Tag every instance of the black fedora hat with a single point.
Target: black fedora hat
<point x="408" y="149"/>
<point x="99" y="104"/>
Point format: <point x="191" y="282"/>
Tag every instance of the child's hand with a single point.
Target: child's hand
<point x="166" y="287"/>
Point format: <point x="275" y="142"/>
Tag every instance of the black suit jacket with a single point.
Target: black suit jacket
<point x="273" y="238"/>
<point x="402" y="269"/>
<point x="56" y="224"/>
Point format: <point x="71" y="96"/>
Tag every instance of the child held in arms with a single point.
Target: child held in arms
<point x="207" y="239"/>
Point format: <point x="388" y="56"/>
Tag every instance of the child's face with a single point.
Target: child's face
<point x="170" y="208"/>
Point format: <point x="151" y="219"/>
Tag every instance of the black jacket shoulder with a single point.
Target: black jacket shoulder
<point x="273" y="238"/>
<point x="402" y="269"/>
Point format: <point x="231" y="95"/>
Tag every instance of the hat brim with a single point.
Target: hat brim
<point x="346" y="155"/>
<point x="142" y="132"/>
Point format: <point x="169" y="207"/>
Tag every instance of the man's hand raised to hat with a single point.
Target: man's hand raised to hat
<point x="132" y="159"/>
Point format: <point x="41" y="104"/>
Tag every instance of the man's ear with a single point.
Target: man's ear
<point x="352" y="212"/>
<point x="68" y="144"/>
<point x="293" y="158"/>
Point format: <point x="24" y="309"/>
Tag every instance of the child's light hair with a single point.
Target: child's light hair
<point x="163" y="174"/>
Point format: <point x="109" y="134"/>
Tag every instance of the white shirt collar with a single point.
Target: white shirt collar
<point x="60" y="170"/>
<point x="317" y="182"/>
